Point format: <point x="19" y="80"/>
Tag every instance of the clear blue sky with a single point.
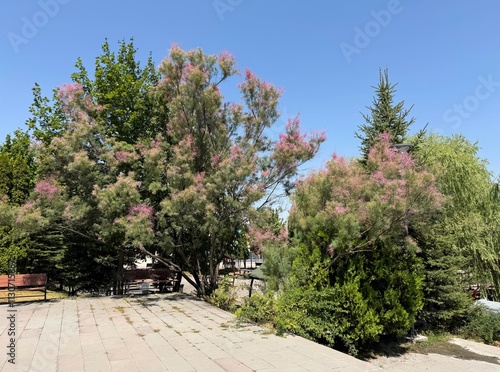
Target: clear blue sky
<point x="444" y="55"/>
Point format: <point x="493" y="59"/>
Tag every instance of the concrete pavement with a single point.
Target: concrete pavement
<point x="158" y="332"/>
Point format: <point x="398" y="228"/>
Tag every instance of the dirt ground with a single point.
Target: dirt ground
<point x="457" y="355"/>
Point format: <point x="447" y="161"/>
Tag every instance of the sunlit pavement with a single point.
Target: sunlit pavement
<point x="159" y="332"/>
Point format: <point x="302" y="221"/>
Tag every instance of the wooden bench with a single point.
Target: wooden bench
<point x="24" y="282"/>
<point x="161" y="278"/>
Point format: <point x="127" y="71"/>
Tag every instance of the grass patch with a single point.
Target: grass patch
<point x="31" y="296"/>
<point x="435" y="342"/>
<point x="440" y="344"/>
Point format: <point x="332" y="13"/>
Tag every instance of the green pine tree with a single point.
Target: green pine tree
<point x="385" y="117"/>
<point x="446" y="303"/>
<point x="17" y="168"/>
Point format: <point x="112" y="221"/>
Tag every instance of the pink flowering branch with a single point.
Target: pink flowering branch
<point x="46" y="189"/>
<point x="260" y="237"/>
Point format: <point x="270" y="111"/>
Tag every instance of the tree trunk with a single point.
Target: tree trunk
<point x="118" y="288"/>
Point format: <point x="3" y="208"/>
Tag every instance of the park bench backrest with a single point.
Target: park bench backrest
<point x="137" y="274"/>
<point x="24" y="280"/>
<point x="142" y="274"/>
<point x="163" y="273"/>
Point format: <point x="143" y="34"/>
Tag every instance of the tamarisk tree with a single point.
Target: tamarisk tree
<point x="357" y="274"/>
<point x="224" y="172"/>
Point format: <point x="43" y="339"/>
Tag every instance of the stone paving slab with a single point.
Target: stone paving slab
<point x="159" y="332"/>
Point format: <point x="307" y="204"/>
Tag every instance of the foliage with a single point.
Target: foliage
<point x="335" y="316"/>
<point x="17" y="167"/>
<point x="353" y="226"/>
<point x="48" y="119"/>
<point x="90" y="181"/>
<point x="224" y="169"/>
<point x="483" y="326"/>
<point x="260" y="309"/>
<point x="17" y="179"/>
<point x="384" y="117"/>
<point x="12" y="243"/>
<point x="124" y="94"/>
<point x="164" y="168"/>
<point x="446" y="303"/>
<point x="225" y="296"/>
<point x="467" y="229"/>
<point x="277" y="264"/>
<point x="279" y="256"/>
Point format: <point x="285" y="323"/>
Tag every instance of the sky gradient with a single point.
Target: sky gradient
<point x="326" y="55"/>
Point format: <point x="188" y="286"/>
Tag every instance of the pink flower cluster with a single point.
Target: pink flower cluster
<point x="226" y="62"/>
<point x="125" y="156"/>
<point x="295" y="147"/>
<point x="214" y="160"/>
<point x="340" y="209"/>
<point x="69" y="91"/>
<point x="330" y="250"/>
<point x="389" y="159"/>
<point x="141" y="210"/>
<point x="260" y="237"/>
<point x="24" y="211"/>
<point x="67" y="212"/>
<point x="46" y="189"/>
<point x="236" y="154"/>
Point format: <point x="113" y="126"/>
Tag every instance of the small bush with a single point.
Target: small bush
<point x="224" y="297"/>
<point x="257" y="309"/>
<point x="484" y="326"/>
<point x="336" y="316"/>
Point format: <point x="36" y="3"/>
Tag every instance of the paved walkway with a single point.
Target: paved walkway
<point x="168" y="332"/>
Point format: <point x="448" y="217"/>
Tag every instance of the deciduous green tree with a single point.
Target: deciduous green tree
<point x="464" y="237"/>
<point x="87" y="136"/>
<point x="124" y="94"/>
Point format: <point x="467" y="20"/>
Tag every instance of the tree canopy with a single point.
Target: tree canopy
<point x="187" y="188"/>
<point x="355" y="247"/>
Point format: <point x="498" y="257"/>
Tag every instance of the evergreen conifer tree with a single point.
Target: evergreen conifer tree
<point x="384" y="117"/>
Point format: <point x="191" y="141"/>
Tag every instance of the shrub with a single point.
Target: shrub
<point x="258" y="309"/>
<point x="278" y="264"/>
<point x="337" y="316"/>
<point x="483" y="325"/>
<point x="224" y="297"/>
